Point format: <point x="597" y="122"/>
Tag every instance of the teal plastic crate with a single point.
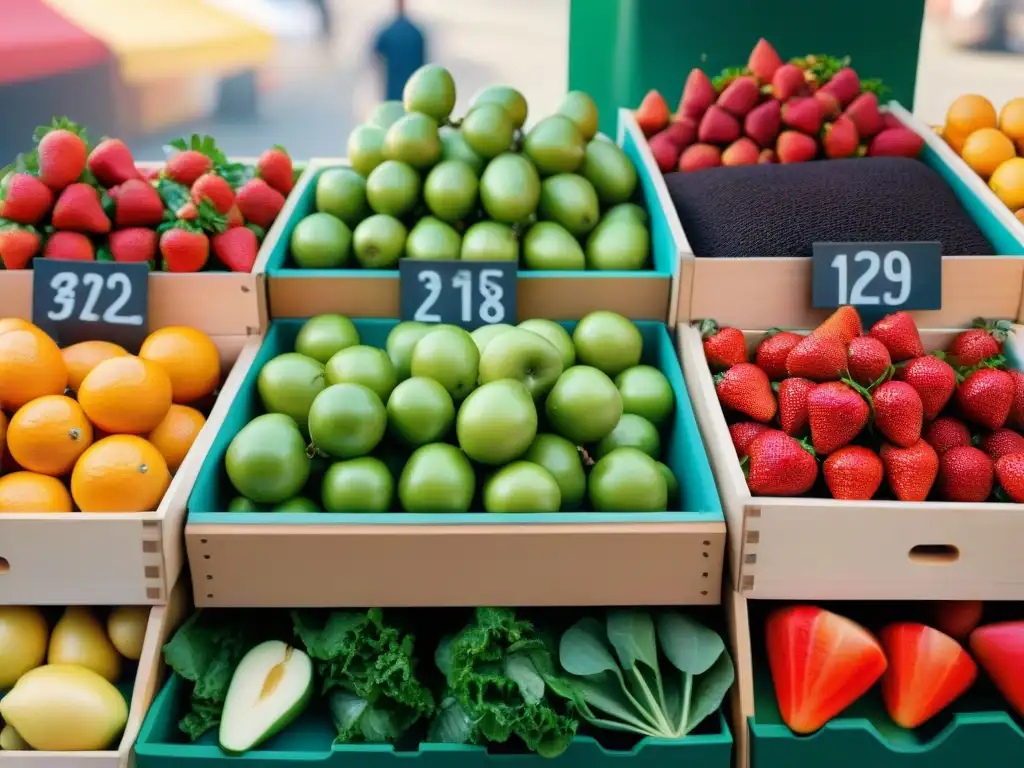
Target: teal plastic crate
<point x="309" y="741"/>
<point x="977" y="730"/>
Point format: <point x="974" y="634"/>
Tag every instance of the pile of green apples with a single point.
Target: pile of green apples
<point x="558" y="196"/>
<point x="523" y="418"/>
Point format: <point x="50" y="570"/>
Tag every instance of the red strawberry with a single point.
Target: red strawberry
<point x="184" y="248"/>
<point x="899" y="333"/>
<point x="259" y="203"/>
<point x="787" y="82"/>
<point x="138" y="205"/>
<point x="150" y="173"/>
<point x="946" y="432"/>
<point x="187" y="166"/>
<point x="899" y="413"/>
<point x="682" y="132"/>
<point x="1002" y="442"/>
<point x="837" y="413"/>
<point x="927" y="672"/>
<point x="999" y="648"/>
<point x="773" y="350"/>
<point x="19" y="243"/>
<point x="803" y="114"/>
<point x="911" y="471"/>
<point x="973" y="346"/>
<point x="723" y="347"/>
<point x="62" y="155"/>
<point x="934" y="380"/>
<point x="985" y="397"/>
<point x="740" y="96"/>
<point x="652" y="115"/>
<point x="111" y="162"/>
<point x="817" y="358"/>
<point x="743" y="433"/>
<point x="779" y="466"/>
<point x="896" y="142"/>
<point x="216" y="189"/>
<point x="275" y="167"/>
<point x="863" y="111"/>
<point x="829" y="104"/>
<point x="843" y="325"/>
<point x="762" y="123"/>
<point x="187" y="212"/>
<point x="745" y="388"/>
<point x="957" y="618"/>
<point x="79" y="209"/>
<point x="764" y="60"/>
<point x="867" y="360"/>
<point x="1016" y="417"/>
<point x="743" y="151"/>
<point x="236" y="248"/>
<point x="795" y="147"/>
<point x="844" y="85"/>
<point x="965" y="474"/>
<point x="1010" y="474"/>
<point x="698" y="95"/>
<point x="853" y="473"/>
<point x="767" y="157"/>
<point x="697" y="157"/>
<point x="718" y="126"/>
<point x="69" y="246"/>
<point x="820" y="664"/>
<point x="24" y="199"/>
<point x="234" y="217"/>
<point x="840" y="138"/>
<point x="137" y="244"/>
<point x="793" y="404"/>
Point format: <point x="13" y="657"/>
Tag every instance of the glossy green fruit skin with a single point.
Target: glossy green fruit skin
<point x="526" y="357"/>
<point x="510" y="188"/>
<point x="433" y="240"/>
<point x="619" y="244"/>
<point x="611" y="172"/>
<point x="289" y="383"/>
<point x="555" y="334"/>
<point x="400" y="343"/>
<point x="522" y="487"/>
<point x="413" y="139"/>
<point x="266" y="461"/>
<point x="430" y="90"/>
<point x="488" y="130"/>
<point x="548" y="245"/>
<point x="646" y="391"/>
<point x="450" y="190"/>
<point x="364" y="365"/>
<point x="449" y="356"/>
<point x="386" y="114"/>
<point x="608" y="341"/>
<point x="393" y="188"/>
<point x="485" y="333"/>
<point x="512" y="100"/>
<point x="555" y="145"/>
<point x="671" y="481"/>
<point x="627" y="480"/>
<point x="420" y="411"/>
<point x="346" y="421"/>
<point x="378" y="241"/>
<point x="297" y="504"/>
<point x="321" y="241"/>
<point x="455" y="147"/>
<point x="497" y="422"/>
<point x="366" y="148"/>
<point x="490" y="241"/>
<point x="563" y="461"/>
<point x="437" y="478"/>
<point x="363" y="484"/>
<point x="569" y="200"/>
<point x="581" y="109"/>
<point x="341" y="192"/>
<point x="324" y="335"/>
<point x="242" y="504"/>
<point x="632" y="431"/>
<point x="584" y="405"/>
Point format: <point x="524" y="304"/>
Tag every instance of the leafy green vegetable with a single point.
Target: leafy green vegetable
<point x="497" y="668"/>
<point x="205" y="651"/>
<point x="368" y="667"/>
<point x="619" y="681"/>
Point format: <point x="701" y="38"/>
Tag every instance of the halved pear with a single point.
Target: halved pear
<point x="271" y="687"/>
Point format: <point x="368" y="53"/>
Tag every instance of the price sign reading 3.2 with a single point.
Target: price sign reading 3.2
<point x="461" y="293"/>
<point x="888" y="276"/>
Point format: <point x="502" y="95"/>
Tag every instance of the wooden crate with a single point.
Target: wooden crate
<point x="113" y="558"/>
<point x="816" y="548"/>
<point x="149" y="678"/>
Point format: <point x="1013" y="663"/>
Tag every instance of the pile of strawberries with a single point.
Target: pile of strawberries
<point x="773" y="111"/>
<point x="873" y="408"/>
<point x="69" y="200"/>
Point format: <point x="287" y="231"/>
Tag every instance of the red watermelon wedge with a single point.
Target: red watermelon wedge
<point x="928" y="671"/>
<point x="999" y="648"/>
<point x="957" y="617"/>
<point x="820" y="662"/>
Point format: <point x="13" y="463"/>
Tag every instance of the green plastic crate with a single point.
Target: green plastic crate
<point x="976" y="731"/>
<point x="683" y="451"/>
<point x="309" y="741"/>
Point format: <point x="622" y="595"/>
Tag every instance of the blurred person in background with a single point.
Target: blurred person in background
<point x="401" y="49"/>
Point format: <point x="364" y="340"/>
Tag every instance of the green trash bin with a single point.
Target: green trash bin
<point x="620" y="49"/>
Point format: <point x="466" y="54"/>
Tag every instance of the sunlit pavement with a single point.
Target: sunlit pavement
<point x="317" y="94"/>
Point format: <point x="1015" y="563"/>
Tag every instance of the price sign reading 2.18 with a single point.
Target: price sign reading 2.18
<point x="463" y="293"/>
<point x="83" y="300"/>
<point x="888" y="276"/>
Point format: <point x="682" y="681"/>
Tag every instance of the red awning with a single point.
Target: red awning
<point x="37" y="42"/>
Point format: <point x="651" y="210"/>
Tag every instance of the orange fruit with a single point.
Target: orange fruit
<point x="985" y="150"/>
<point x="966" y="115"/>
<point x="30" y="366"/>
<point x="3" y="437"/>
<point x="29" y="492"/>
<point x="1019" y="214"/>
<point x="83" y="357"/>
<point x="1011" y="121"/>
<point x="1007" y="182"/>
<point x="126" y="394"/>
<point x="121" y="473"/>
<point x="16" y="324"/>
<point x="190" y="358"/>
<point x="174" y="436"/>
<point x="49" y="434"/>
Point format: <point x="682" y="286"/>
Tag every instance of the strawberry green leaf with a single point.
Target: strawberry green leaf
<point x="103" y="253"/>
<point x="875" y="86"/>
<point x="173" y="194"/>
<point x="298" y="170"/>
<point x="109" y="205"/>
<point x="236" y="174"/>
<point x="257" y="230"/>
<point x="280" y="148"/>
<point x="61" y="124"/>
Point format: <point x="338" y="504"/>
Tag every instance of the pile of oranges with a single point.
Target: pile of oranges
<point x="991" y="144"/>
<point x="94" y="428"/>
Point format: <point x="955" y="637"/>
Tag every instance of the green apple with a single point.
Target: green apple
<point x="364" y="365"/>
<point x="554" y="333"/>
<point x="562" y="459"/>
<point x="670" y="479"/>
<point x="607" y="341"/>
<point x="437" y="478"/>
<point x="347" y="420"/>
<point x="485" y="333"/>
<point x="627" y="480"/>
<point x="401" y="340"/>
<point x="527" y="357"/>
<point x="634" y="432"/>
<point x="322" y="336"/>
<point x="420" y="411"/>
<point x="448" y="355"/>
<point x="497" y="422"/>
<point x="646" y="392"/>
<point x="289" y="383"/>
<point x="584" y="405"/>
<point x="364" y="484"/>
<point x="522" y="487"/>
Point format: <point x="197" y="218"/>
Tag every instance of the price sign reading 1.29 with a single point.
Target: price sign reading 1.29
<point x="463" y="293"/>
<point x="888" y="276"/>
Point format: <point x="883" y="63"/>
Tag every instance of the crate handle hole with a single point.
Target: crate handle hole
<point x="4" y="566"/>
<point x="934" y="554"/>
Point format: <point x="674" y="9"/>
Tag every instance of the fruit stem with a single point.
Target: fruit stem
<point x="708" y="328"/>
<point x="588" y="460"/>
